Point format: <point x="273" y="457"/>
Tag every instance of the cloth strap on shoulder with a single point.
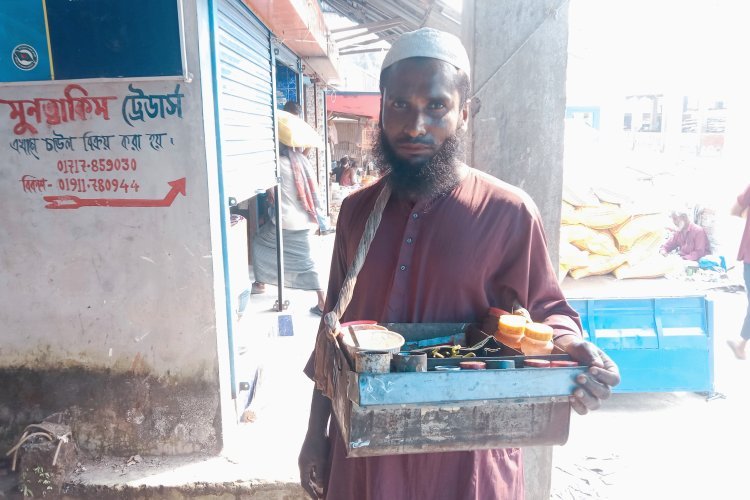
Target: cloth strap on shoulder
<point x="347" y="289"/>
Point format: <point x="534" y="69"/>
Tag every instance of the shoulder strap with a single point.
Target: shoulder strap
<point x="347" y="289"/>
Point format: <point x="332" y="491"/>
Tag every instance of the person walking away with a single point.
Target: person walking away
<point x="452" y="242"/>
<point x="298" y="216"/>
<point x="339" y="169"/>
<point x="324" y="222"/>
<point x="740" y="209"/>
<point x="347" y="174"/>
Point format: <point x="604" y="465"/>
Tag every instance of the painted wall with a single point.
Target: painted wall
<point x="108" y="263"/>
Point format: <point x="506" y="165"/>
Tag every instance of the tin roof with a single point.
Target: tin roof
<point x="387" y="19"/>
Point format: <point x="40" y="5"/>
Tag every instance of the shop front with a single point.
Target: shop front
<point x="121" y="171"/>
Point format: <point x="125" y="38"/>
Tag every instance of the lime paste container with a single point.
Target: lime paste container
<point x="409" y="362"/>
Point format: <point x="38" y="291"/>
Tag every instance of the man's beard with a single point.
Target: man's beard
<point x="435" y="176"/>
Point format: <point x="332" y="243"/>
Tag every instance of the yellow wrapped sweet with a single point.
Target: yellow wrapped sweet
<point x="537" y="340"/>
<point x="510" y="330"/>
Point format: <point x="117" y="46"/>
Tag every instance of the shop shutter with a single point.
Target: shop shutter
<point x="286" y="56"/>
<point x="245" y="100"/>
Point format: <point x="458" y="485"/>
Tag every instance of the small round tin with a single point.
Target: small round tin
<point x="500" y="364"/>
<point x="472" y="365"/>
<point x="507" y="364"/>
<point x="372" y="362"/>
<point x="408" y="362"/>
<point x="536" y="363"/>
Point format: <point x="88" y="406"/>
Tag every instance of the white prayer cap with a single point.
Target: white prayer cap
<point x="428" y="42"/>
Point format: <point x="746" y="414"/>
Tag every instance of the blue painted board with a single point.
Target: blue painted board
<point x="114" y="39"/>
<point x="467" y="385"/>
<point x="672" y="370"/>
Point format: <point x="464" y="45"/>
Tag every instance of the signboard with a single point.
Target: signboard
<point x="82" y="39"/>
<point x="75" y="146"/>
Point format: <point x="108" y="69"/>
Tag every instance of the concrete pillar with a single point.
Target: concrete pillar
<point x="315" y="116"/>
<point x="518" y="53"/>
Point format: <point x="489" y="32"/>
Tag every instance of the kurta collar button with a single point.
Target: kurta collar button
<point x="409" y="240"/>
<point x="403" y="268"/>
<point x="415" y="216"/>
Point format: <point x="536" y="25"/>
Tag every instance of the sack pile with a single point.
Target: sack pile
<point x="602" y="234"/>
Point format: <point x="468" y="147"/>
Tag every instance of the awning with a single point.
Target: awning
<point x="365" y="104"/>
<point x="301" y="27"/>
<point x="387" y="19"/>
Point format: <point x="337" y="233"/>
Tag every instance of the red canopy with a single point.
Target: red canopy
<point x="354" y="103"/>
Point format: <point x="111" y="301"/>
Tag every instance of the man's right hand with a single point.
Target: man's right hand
<point x="313" y="464"/>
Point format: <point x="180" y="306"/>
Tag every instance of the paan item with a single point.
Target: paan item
<point x="537" y="339"/>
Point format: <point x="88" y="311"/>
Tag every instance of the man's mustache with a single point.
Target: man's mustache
<point x="425" y="141"/>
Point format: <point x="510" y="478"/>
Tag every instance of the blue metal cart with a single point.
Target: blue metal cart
<point x="661" y="344"/>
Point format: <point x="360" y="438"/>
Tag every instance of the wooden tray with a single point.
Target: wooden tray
<point x="397" y="413"/>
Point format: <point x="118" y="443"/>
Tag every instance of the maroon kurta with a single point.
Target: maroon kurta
<point x="446" y="260"/>
<point x="744" y="253"/>
<point x="692" y="243"/>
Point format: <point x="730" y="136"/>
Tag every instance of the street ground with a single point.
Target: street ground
<point x="665" y="445"/>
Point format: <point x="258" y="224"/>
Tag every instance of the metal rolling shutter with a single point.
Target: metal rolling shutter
<point x="246" y="101"/>
<point x="286" y="56"/>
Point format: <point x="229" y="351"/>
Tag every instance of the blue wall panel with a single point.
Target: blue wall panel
<point x="23" y="41"/>
<point x="66" y="40"/>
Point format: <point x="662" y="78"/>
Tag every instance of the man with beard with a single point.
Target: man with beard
<point x="452" y="242"/>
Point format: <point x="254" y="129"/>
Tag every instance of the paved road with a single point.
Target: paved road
<point x="668" y="445"/>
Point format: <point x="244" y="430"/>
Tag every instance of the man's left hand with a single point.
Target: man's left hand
<point x="595" y="384"/>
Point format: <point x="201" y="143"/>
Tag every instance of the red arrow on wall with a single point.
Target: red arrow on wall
<point x="67" y="201"/>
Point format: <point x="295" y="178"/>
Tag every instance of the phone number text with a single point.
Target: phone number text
<point x="83" y="185"/>
<point x="101" y="165"/>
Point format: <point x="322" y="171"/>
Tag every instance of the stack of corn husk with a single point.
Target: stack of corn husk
<point x="603" y="233"/>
